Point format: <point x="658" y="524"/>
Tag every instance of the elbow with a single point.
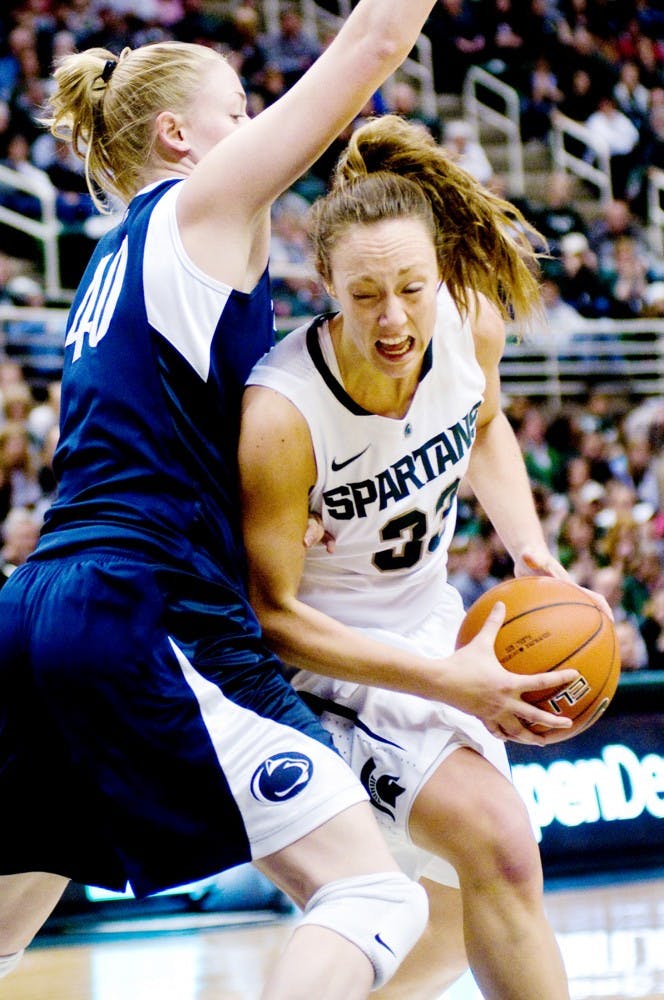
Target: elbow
<point x="389" y="50"/>
<point x="272" y="619"/>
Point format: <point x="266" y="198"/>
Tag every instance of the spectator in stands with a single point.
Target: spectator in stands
<point x="506" y="39"/>
<point x="291" y="49"/>
<point x="111" y="30"/>
<point x="631" y="645"/>
<point x="541" y="96"/>
<point x="583" y="495"/>
<point x="631" y="97"/>
<point x="653" y="305"/>
<point x="37" y="342"/>
<point x="17" y="404"/>
<point x="404" y="99"/>
<point x="246" y="54"/>
<point x="580" y="51"/>
<point x="541" y="19"/>
<point x="294" y="294"/>
<point x="45" y="475"/>
<point x="73" y="200"/>
<point x="557" y="215"/>
<point x="580" y="282"/>
<point x="634" y="44"/>
<point x="16" y="459"/>
<point x="563" y="321"/>
<point x="20" y="533"/>
<point x="612" y="129"/>
<point x="10" y="375"/>
<point x="458" y="41"/>
<point x="614" y="221"/>
<point x="543" y="462"/>
<point x="576" y="547"/>
<point x="473" y="576"/>
<point x="644" y="578"/>
<point x="595" y="447"/>
<point x="652" y="630"/>
<point x="45" y="414"/>
<point x="18" y="159"/>
<point x="627" y="280"/>
<point x="609" y="582"/>
<point x="652" y="133"/>
<point x="199" y="23"/>
<point x="465" y="149"/>
<point x="579" y="98"/>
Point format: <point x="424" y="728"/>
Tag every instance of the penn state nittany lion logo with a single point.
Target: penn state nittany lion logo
<point x="281" y="776"/>
<point x="383" y="789"/>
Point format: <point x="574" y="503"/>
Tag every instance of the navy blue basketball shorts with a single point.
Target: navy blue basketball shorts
<point x="147" y="737"/>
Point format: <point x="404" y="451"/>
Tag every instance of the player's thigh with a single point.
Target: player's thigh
<point x="26" y="901"/>
<point x="348" y="845"/>
<point x="467" y="807"/>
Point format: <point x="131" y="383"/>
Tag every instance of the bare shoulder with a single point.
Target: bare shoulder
<point x="273" y="431"/>
<point x="489" y="332"/>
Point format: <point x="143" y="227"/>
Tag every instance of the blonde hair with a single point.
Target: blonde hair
<point x="105" y="106"/>
<point x="392" y="169"/>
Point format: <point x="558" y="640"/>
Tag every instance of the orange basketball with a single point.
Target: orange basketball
<point x="549" y="625"/>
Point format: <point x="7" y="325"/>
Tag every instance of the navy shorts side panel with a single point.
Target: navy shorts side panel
<point x="100" y="719"/>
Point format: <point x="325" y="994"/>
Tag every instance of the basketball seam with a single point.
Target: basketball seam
<point x="578" y="649"/>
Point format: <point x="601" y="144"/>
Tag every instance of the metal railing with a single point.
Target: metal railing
<point x="418" y="70"/>
<point x="506" y="119"/>
<point x="624" y="357"/>
<point x="655" y="192"/>
<point x="46" y="230"/>
<point x="591" y="163"/>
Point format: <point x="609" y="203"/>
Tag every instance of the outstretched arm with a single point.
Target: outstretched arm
<point x="497" y="472"/>
<point x="225" y="202"/>
<point x="277" y="469"/>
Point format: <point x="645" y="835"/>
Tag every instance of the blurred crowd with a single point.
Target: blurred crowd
<point x="597" y="471"/>
<point x="598" y="468"/>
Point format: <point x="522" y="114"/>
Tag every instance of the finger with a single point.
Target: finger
<point x="540" y="717"/>
<point x="601" y="601"/>
<point x="526" y="735"/>
<point x="544" y="567"/>
<point x="313" y="532"/>
<point x="517" y="732"/>
<point x="497" y="730"/>
<point x="493" y="621"/>
<point x="531" y="563"/>
<point x="329" y="542"/>
<point x="555" y="681"/>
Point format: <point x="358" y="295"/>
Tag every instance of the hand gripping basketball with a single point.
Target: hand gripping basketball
<point x="550" y="625"/>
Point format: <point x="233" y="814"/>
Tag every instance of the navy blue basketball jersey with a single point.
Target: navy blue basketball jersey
<point x="156" y="356"/>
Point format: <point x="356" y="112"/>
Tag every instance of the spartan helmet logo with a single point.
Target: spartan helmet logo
<point x="383" y="789"/>
<point x="281" y="776"/>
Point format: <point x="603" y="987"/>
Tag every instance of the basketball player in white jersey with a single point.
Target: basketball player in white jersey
<point x="370" y="417"/>
<point x="147" y="735"/>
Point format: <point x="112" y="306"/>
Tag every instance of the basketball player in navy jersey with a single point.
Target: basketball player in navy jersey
<point x="147" y="735"/>
<point x="370" y="417"/>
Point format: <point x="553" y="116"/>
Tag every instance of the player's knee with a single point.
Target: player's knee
<point x="501" y="849"/>
<point x="9" y="962"/>
<point x="383" y="915"/>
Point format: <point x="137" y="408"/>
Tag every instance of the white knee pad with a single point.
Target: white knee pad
<point x="383" y="915"/>
<point x="9" y="962"/>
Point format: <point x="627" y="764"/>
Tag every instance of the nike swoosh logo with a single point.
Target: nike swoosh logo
<point x="380" y="941"/>
<point x="336" y="466"/>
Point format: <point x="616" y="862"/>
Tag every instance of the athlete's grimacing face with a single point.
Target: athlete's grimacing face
<point x="385" y="277"/>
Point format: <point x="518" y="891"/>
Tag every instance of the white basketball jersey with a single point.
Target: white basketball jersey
<point x="386" y="488"/>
